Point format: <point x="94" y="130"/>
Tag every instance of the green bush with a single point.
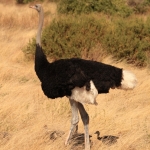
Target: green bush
<point x="87" y="6"/>
<point x="75" y="36"/>
<point x="139" y="6"/>
<point x="129" y="39"/>
<point x="69" y="37"/>
<point x="29" y="50"/>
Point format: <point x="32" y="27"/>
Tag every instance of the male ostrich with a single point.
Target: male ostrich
<point x="80" y="80"/>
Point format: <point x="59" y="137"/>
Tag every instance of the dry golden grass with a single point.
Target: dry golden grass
<point x="28" y="120"/>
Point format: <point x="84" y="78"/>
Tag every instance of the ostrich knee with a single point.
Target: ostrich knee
<point x="74" y="120"/>
<point x="85" y="119"/>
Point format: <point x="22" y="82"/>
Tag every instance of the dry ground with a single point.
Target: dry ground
<point x="30" y="121"/>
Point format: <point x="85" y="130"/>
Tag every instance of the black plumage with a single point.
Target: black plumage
<point x="60" y="77"/>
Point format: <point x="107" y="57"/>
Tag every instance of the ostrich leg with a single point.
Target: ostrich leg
<point x="74" y="120"/>
<point x="85" y="119"/>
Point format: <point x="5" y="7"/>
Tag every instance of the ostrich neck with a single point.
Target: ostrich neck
<point x="41" y="20"/>
<point x="40" y="58"/>
<point x="98" y="135"/>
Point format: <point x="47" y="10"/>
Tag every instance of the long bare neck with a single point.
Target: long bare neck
<point x="41" y="20"/>
<point x="40" y="58"/>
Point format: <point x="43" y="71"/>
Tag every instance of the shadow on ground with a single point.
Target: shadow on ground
<point x="77" y="141"/>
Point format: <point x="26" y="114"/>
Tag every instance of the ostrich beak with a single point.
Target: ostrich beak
<point x="33" y="7"/>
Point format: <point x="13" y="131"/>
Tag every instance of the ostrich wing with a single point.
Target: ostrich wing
<point x="61" y="77"/>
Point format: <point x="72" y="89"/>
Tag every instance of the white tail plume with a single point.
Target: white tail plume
<point x="129" y="80"/>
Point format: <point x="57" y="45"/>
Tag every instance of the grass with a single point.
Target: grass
<point x="27" y="117"/>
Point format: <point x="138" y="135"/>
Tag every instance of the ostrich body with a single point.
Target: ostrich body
<point x="80" y="80"/>
<point x="108" y="139"/>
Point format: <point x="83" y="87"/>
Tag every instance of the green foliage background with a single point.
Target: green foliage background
<point x="129" y="39"/>
<point x="67" y="37"/>
<point x="84" y="24"/>
<point x="110" y="7"/>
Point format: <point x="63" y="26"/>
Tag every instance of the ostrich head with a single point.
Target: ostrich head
<point x="37" y="7"/>
<point x="97" y="132"/>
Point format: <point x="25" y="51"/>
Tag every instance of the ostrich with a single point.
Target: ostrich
<point x="109" y="139"/>
<point x="79" y="80"/>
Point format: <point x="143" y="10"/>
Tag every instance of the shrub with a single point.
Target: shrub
<point x="139" y="6"/>
<point x="69" y="37"/>
<point x="87" y="6"/>
<point x="134" y="2"/>
<point x="129" y="39"/>
<point x="29" y="50"/>
<point x="75" y="36"/>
